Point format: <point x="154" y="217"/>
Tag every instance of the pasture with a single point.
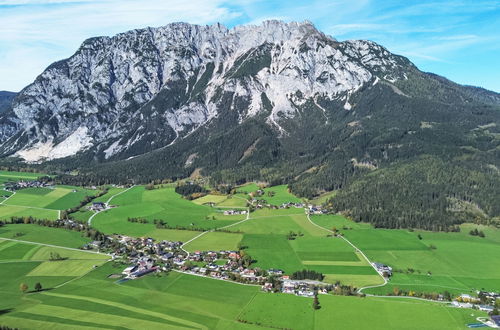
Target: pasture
<point x="338" y="312"/>
<point x="427" y="261"/>
<point x="58" y="198"/>
<point x="6" y="176"/>
<point x="215" y="241"/>
<point x="265" y="239"/>
<point x="162" y="203"/>
<point x="177" y="301"/>
<point x="45" y="235"/>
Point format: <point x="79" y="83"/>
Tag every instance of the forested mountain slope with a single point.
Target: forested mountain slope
<point x="279" y="102"/>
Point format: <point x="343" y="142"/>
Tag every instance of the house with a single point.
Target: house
<point x="127" y="271"/>
<point x="97" y="206"/>
<point x="96" y="244"/>
<point x="277" y="272"/>
<point x="142" y="272"/>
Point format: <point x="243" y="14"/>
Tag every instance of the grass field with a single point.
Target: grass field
<point x="266" y="240"/>
<point x="6" y="176"/>
<point x="45" y="235"/>
<point x="58" y="198"/>
<point x="8" y="211"/>
<point x="215" y="241"/>
<point x="163" y="204"/>
<point x="458" y="263"/>
<point x="285" y="311"/>
<point x="178" y="301"/>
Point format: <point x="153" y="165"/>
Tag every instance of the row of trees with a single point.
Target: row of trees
<point x="307" y="274"/>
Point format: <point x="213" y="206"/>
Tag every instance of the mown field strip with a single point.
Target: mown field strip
<point x="130" y="308"/>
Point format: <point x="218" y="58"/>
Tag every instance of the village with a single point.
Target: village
<point x="146" y="256"/>
<point x="13" y="186"/>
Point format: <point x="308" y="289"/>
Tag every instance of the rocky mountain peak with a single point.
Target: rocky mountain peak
<point x="149" y="88"/>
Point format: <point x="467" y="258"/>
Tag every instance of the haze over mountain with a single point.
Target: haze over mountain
<point x="278" y="102"/>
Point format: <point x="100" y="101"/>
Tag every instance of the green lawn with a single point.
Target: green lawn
<point x="8" y="211"/>
<point x="6" y="176"/>
<point x="266" y="241"/>
<point x="177" y="301"/>
<point x="337" y="312"/>
<point x="281" y="195"/>
<point x="210" y="199"/>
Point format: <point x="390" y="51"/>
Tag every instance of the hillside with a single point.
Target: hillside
<point x="279" y="102"/>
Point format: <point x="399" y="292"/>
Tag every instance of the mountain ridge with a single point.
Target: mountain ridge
<point x="280" y="103"/>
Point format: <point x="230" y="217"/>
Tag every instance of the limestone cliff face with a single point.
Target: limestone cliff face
<point x="145" y="89"/>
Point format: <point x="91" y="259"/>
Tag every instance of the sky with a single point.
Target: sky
<point x="458" y="39"/>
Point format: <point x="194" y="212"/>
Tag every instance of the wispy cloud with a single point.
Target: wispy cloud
<point x="439" y="35"/>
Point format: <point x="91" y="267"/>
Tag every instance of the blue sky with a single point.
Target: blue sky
<point x="457" y="39"/>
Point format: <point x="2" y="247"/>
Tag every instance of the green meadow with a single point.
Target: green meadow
<point x="265" y="239"/>
<point x="162" y="203"/>
<point x="6" y="176"/>
<point x="178" y="301"/>
<point x="454" y="262"/>
<point x="58" y="198"/>
<point x="44" y="235"/>
<point x="42" y="203"/>
<point x="275" y="195"/>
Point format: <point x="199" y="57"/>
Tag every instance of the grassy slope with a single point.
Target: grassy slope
<point x="46" y="235"/>
<point x="162" y="204"/>
<point x="177" y="300"/>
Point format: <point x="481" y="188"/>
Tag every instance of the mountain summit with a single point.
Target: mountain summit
<point x="138" y="91"/>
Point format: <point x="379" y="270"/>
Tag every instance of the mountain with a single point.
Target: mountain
<point x="278" y="102"/>
<point x="6" y="100"/>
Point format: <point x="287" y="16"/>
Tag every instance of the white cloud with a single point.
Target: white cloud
<point x="35" y="33"/>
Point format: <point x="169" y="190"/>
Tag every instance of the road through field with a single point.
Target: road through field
<point x="357" y="250"/>
<point x="89" y="222"/>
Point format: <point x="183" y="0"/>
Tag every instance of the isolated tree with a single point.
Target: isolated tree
<point x="316" y="304"/>
<point x="38" y="286"/>
<point x="23" y="287"/>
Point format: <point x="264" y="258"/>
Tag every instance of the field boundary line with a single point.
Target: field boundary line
<point x="215" y="230"/>
<point x="13" y="193"/>
<point x="54" y="246"/>
<point x="89" y="221"/>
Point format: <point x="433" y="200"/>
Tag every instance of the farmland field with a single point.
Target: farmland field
<point x="6" y="176"/>
<point x="266" y="241"/>
<point x="58" y="198"/>
<point x="177" y="301"/>
<point x="435" y="263"/>
<point x="164" y="204"/>
<point x="78" y="293"/>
